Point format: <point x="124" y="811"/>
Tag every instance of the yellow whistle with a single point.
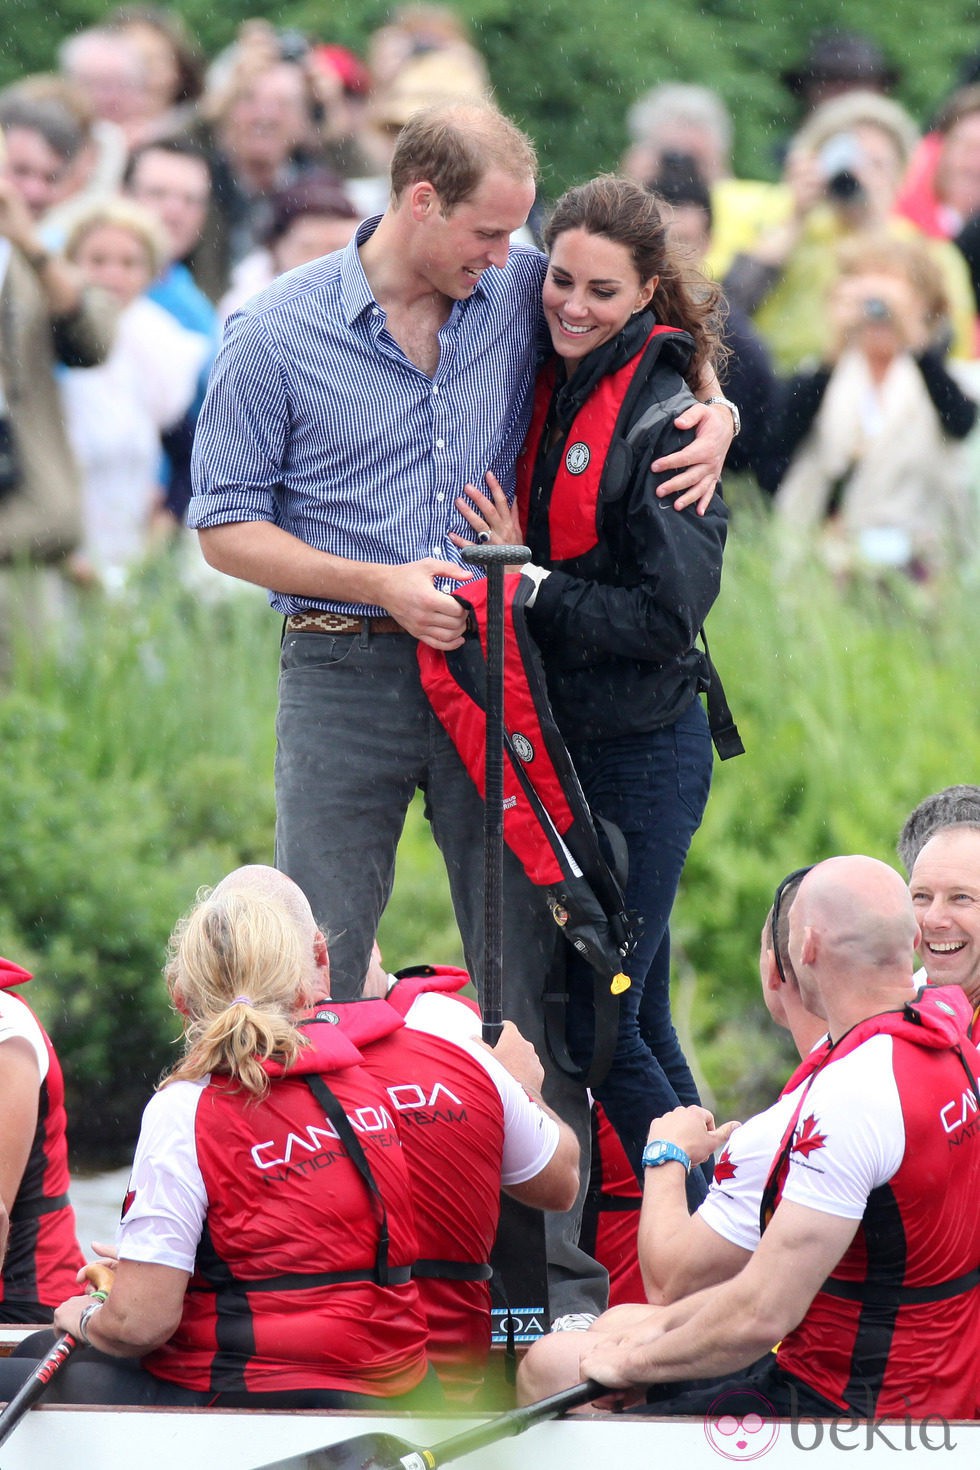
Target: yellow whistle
<point x="619" y="983"/>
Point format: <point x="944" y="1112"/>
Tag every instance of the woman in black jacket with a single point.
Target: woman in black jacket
<point x="624" y="584"/>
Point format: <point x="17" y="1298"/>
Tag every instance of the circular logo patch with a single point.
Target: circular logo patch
<point x="523" y="748"/>
<point x="577" y="458"/>
<point x="330" y="1017"/>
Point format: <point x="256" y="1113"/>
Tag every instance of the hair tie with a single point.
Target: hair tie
<point x="240" y="1000"/>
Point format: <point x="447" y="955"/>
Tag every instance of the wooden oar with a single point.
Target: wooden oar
<point x="31" y="1390"/>
<point x="388" y="1452"/>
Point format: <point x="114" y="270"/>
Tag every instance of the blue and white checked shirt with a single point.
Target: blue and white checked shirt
<point x="317" y="421"/>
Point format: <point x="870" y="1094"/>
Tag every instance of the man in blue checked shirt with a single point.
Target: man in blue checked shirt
<point x="350" y="403"/>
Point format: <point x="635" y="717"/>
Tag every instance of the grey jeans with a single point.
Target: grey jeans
<point x="355" y="737"/>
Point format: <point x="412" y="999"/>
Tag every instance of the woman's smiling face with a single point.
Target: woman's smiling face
<point x="591" y="290"/>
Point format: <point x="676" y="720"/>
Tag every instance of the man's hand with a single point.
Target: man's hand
<point x="692" y="1129"/>
<point x="607" y="1351"/>
<point x="516" y="1053"/>
<point x="431" y="616"/>
<point x="699" y="464"/>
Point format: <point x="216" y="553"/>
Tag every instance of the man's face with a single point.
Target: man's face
<point x="37" y="173"/>
<point x="177" y="190"/>
<point x="269" y="117"/>
<point x="452" y="250"/>
<point x="945" y="889"/>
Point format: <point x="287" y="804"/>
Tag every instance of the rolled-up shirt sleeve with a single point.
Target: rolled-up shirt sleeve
<point x="240" y="443"/>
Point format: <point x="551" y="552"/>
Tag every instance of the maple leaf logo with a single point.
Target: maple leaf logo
<point x="807" y="1139"/>
<point x="724" y="1169"/>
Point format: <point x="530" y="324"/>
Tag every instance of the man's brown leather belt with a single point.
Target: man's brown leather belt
<point x="329" y="622"/>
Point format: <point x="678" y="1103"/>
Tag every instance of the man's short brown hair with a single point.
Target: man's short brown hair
<point x="453" y="148"/>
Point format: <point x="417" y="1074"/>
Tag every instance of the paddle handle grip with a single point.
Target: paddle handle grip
<point x="52" y="1362"/>
<point x="511" y="1423"/>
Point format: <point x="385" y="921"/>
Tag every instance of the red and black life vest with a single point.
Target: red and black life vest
<point x="875" y="1317"/>
<point x="451" y="1121"/>
<point x="43" y="1257"/>
<point x="547" y="822"/>
<point x="590" y="457"/>
<point x="303" y="1273"/>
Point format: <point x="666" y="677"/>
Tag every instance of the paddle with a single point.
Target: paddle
<point x="387" y="1452"/>
<point x="31" y="1390"/>
<point x="494" y="559"/>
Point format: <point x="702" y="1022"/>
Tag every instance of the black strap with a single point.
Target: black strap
<point x="453" y="1270"/>
<point x="303" y="1281"/>
<point x="886" y="1295"/>
<point x="336" y="1115"/>
<point x="721" y="721"/>
<point x="605" y="1011"/>
<point x="34" y="1208"/>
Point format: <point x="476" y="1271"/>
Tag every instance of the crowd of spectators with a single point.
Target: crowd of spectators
<point x="238" y="167"/>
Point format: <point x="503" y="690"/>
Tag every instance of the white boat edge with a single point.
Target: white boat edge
<point x="94" y="1438"/>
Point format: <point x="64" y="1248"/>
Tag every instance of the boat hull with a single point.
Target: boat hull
<point x="204" y="1439"/>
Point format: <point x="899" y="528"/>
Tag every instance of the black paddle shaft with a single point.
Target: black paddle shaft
<point x="494" y="559"/>
<point x="388" y="1452"/>
<point x="54" y="1360"/>
<point x="32" y="1388"/>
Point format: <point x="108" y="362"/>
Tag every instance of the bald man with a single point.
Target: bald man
<point x="866" y="1274"/>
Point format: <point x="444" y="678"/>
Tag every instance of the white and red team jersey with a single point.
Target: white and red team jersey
<point x="530" y="1135"/>
<point x="42" y="1257"/>
<point x="467" y="1128"/>
<point x="731" y="1206"/>
<point x="261" y="1204"/>
<point x="889" y="1135"/>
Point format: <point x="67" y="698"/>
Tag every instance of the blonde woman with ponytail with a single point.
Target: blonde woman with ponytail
<point x="267" y="1237"/>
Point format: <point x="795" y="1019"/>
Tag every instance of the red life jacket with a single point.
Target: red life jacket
<point x="419" y="980"/>
<point x="285" y="1294"/>
<point x="573" y="506"/>
<point x="611" y="1215"/>
<point x="546" y="818"/>
<point x="882" y="1314"/>
<point x="42" y="1257"/>
<point x="451" y="1122"/>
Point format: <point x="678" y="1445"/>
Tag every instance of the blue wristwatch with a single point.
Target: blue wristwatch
<point x="659" y="1151"/>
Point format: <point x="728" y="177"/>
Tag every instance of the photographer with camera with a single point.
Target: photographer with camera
<point x="869" y="440"/>
<point x="843" y="173"/>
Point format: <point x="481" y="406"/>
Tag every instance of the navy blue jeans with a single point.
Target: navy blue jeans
<point x="654" y="786"/>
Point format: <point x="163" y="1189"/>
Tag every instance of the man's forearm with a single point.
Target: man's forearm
<point x="664" y="1223"/>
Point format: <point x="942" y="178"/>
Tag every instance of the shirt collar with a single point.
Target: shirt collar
<point x="356" y="290"/>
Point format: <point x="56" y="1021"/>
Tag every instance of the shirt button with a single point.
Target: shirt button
<point x="440" y="496"/>
<point x="435" y="389"/>
<point x="437" y="551"/>
<point x="440" y="443"/>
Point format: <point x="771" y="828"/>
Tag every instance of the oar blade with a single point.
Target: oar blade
<point x="364" y="1452"/>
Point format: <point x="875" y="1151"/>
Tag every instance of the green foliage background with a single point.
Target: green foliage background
<point x="569" y="72"/>
<point x="138" y="766"/>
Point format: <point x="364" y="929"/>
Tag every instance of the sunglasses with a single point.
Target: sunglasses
<point x="791" y="881"/>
